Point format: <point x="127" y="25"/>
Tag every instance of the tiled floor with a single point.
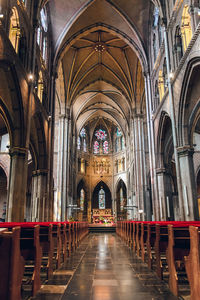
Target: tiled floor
<point x="104" y="269"/>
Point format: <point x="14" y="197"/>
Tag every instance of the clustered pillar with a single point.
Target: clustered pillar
<point x="17" y="185"/>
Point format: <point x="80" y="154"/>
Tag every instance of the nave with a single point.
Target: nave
<point x="103" y="268"/>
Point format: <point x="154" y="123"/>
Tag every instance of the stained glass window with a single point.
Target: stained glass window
<point x="44" y="50"/>
<point x="84" y="145"/>
<point x="122" y="143"/>
<point x="82" y="199"/>
<point x="96" y="147"/>
<point x="121" y="199"/>
<point x="38" y="35"/>
<point x="102" y="199"/>
<point x="105" y="147"/>
<point x="119" y="133"/>
<point x="43" y="17"/>
<point x="79" y="143"/>
<point x="83" y="132"/>
<point x="101" y="134"/>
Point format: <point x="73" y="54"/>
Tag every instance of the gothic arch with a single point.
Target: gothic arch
<point x="108" y="196"/>
<point x="189" y="102"/>
<point x="163" y="125"/>
<point x="11" y="104"/>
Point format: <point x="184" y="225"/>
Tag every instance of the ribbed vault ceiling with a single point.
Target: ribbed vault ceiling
<point x="102" y="54"/>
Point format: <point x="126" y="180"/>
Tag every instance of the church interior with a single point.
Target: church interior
<point x="100" y="115"/>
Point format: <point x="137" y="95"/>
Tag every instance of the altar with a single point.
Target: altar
<point x="102" y="216"/>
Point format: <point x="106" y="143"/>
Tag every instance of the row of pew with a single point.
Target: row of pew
<point x="28" y="250"/>
<point x="171" y="246"/>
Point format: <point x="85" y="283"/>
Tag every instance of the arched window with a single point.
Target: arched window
<point x="119" y="141"/>
<point x="79" y="143"/>
<point x="178" y="45"/>
<point x="100" y="142"/>
<point x="40" y="87"/>
<point x="82" y="140"/>
<point x="121" y="194"/>
<point x="14" y="31"/>
<point x="159" y="32"/>
<point x="43" y="18"/>
<point x="84" y="145"/>
<point x="44" y="49"/>
<point x="83" y="133"/>
<point x="105" y="147"/>
<point x="155" y="17"/>
<point x="161" y="85"/>
<point x="165" y="74"/>
<point x="154" y="48"/>
<point x="186" y="28"/>
<point x="82" y="199"/>
<point x="42" y="33"/>
<point x="39" y="36"/>
<point x="102" y="198"/>
<point x="96" y="147"/>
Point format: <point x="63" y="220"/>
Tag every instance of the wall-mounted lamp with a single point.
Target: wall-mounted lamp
<point x="171" y="75"/>
<point x="31" y="77"/>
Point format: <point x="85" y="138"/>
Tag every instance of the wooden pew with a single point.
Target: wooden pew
<point x="143" y="240"/>
<point x="30" y="249"/>
<point x="192" y="263"/>
<point x="178" y="248"/>
<point x="69" y="238"/>
<point x="11" y="264"/>
<point x="73" y="237"/>
<point x="46" y="241"/>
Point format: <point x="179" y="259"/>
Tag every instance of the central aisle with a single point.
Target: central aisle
<point x="104" y="269"/>
<point x="108" y="272"/>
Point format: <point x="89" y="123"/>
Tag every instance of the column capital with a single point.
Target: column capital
<point x="138" y="115"/>
<point x="18" y="151"/>
<point x="160" y="171"/>
<point x="39" y="172"/>
<point x="186" y="150"/>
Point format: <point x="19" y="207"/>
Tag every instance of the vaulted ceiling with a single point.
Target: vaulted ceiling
<point x="101" y="47"/>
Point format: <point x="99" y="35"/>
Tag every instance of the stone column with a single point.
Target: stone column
<point x="17" y="185"/>
<point x="161" y="193"/>
<point x="62" y="167"/>
<point x="190" y="204"/>
<point x="69" y="199"/>
<point x="58" y="194"/>
<point x="139" y="154"/>
<point x="39" y="196"/>
<point x="151" y="146"/>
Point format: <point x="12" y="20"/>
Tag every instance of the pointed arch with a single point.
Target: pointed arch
<point x="95" y="195"/>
